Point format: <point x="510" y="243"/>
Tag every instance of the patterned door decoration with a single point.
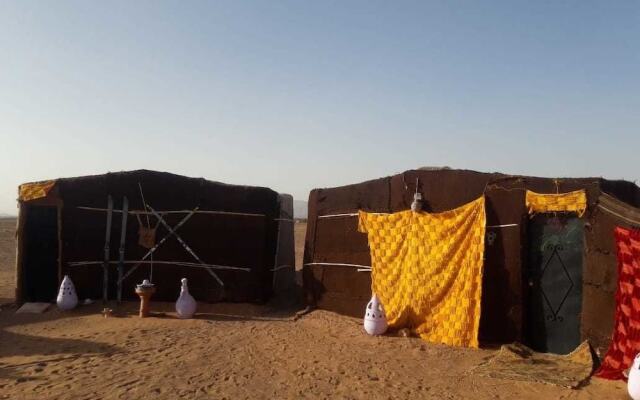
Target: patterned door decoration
<point x="555" y="282"/>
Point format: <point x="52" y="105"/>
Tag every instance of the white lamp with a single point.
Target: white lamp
<point x="67" y="298"/>
<point x="633" y="384"/>
<point x="375" y="319"/>
<point x="186" y="304"/>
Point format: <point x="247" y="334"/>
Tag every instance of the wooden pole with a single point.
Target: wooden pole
<point x="237" y="214"/>
<point x="144" y="203"/>
<point x="185" y="245"/>
<point x="177" y="263"/>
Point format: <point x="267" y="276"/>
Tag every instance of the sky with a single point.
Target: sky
<point x="297" y="95"/>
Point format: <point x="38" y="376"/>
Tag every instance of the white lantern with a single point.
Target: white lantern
<point x="375" y="319"/>
<point x="67" y="297"/>
<point x="633" y="385"/>
<point x="186" y="304"/>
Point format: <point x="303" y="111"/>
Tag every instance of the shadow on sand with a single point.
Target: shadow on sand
<point x="218" y="311"/>
<point x="33" y="346"/>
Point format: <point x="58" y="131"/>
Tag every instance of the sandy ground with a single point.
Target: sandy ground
<point x="234" y="351"/>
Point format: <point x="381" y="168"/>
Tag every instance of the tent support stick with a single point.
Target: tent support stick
<point x="176" y="212"/>
<point x="144" y="203"/>
<point x="154" y="248"/>
<point x="186" y="246"/>
<point x="179" y="263"/>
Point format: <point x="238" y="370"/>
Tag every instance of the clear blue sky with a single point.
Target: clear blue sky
<point x="303" y="94"/>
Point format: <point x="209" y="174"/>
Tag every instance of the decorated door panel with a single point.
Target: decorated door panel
<point x="555" y="258"/>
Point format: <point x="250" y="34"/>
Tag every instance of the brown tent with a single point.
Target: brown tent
<point x="222" y="237"/>
<point x="549" y="300"/>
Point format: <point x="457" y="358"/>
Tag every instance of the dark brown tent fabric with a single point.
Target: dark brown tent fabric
<point x="284" y="273"/>
<point x="626" y="214"/>
<point x="600" y="277"/>
<point x="220" y="239"/>
<point x="335" y="240"/>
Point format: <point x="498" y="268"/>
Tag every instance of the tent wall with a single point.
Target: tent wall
<point x="336" y="240"/>
<point x="229" y="240"/>
<point x="601" y="284"/>
<point x="285" y="273"/>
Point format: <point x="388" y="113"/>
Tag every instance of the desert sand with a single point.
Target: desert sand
<point x="234" y="351"/>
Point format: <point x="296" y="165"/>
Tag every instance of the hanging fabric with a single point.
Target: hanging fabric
<point x="557" y="202"/>
<point x="146" y="235"/>
<point x="625" y="343"/>
<point x="33" y="191"/>
<point x="427" y="270"/>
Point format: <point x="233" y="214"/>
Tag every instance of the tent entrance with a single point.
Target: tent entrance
<point x="554" y="276"/>
<point x="40" y="265"/>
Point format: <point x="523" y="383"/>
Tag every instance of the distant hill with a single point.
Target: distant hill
<point x="300" y="209"/>
<point x="5" y="215"/>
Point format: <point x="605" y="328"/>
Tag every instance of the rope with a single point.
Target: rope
<point x="356" y="214"/>
<point x="144" y="203"/>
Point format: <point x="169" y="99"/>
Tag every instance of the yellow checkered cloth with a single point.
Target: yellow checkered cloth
<point x="33" y="191"/>
<point x="427" y="270"/>
<point x="562" y="202"/>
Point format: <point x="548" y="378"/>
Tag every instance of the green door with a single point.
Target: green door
<point x="554" y="275"/>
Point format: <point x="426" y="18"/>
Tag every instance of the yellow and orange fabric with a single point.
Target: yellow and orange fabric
<point x="575" y="201"/>
<point x="33" y="191"/>
<point x="427" y="270"/>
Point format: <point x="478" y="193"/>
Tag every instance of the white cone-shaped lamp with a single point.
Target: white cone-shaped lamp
<point x="633" y="385"/>
<point x="375" y="319"/>
<point x="67" y="297"/>
<point x="186" y="304"/>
